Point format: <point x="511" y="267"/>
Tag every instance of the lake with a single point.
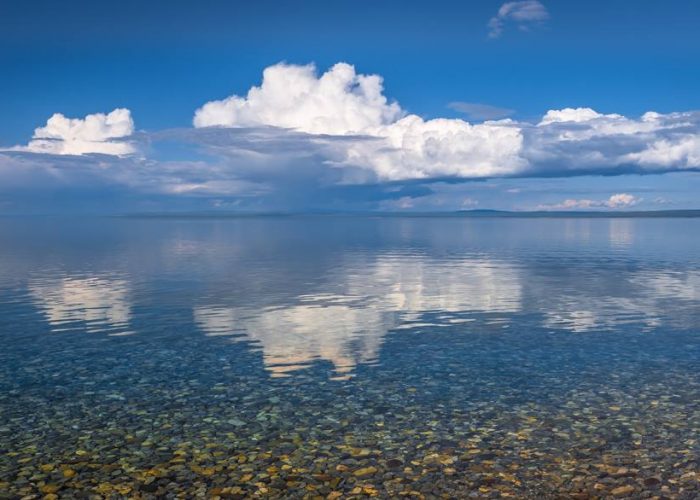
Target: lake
<point x="329" y="356"/>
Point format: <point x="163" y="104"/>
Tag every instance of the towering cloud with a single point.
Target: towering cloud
<point x="397" y="145"/>
<point x="338" y="102"/>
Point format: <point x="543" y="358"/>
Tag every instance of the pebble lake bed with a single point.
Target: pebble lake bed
<point x="349" y="357"/>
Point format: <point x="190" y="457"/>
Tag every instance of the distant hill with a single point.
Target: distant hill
<point x="460" y="213"/>
<point x="581" y="214"/>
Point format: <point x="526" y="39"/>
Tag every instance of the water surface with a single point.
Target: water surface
<point x="317" y="356"/>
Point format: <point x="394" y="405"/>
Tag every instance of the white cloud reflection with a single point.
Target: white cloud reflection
<point x="344" y="321"/>
<point x="347" y="319"/>
<point x="348" y="328"/>
<point x="100" y="304"/>
<point x="293" y="337"/>
<point x="642" y="299"/>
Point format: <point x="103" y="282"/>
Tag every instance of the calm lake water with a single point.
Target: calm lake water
<point x="328" y="356"/>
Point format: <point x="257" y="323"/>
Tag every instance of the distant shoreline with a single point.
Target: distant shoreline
<point x="467" y="214"/>
<point x="455" y="214"/>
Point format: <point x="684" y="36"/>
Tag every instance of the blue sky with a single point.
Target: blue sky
<point x="459" y="62"/>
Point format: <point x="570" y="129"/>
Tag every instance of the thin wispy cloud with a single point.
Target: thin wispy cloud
<point x="523" y="14"/>
<point x="476" y="111"/>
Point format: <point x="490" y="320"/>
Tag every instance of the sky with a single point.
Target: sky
<point x="349" y="105"/>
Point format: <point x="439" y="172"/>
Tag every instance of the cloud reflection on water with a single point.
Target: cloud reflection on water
<point x="348" y="329"/>
<point x="262" y="283"/>
<point x="645" y="298"/>
<point x="101" y="304"/>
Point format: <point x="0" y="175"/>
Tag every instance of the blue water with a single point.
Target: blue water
<point x="329" y="355"/>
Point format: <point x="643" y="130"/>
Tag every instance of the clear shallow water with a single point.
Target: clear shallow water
<point x="305" y="356"/>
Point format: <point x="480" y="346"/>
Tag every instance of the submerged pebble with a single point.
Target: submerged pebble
<point x="482" y="435"/>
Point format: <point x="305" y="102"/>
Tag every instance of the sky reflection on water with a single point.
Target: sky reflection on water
<point x="308" y="289"/>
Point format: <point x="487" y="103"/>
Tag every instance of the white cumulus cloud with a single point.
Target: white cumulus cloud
<point x="570" y="141"/>
<point x="615" y="201"/>
<point x="414" y="148"/>
<point x="306" y="137"/>
<point x="585" y="123"/>
<point x="622" y="200"/>
<point x="571" y="115"/>
<point x="77" y="136"/>
<point x="338" y="102"/>
<point x="342" y="102"/>
<point x="684" y="151"/>
<point x="389" y="144"/>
